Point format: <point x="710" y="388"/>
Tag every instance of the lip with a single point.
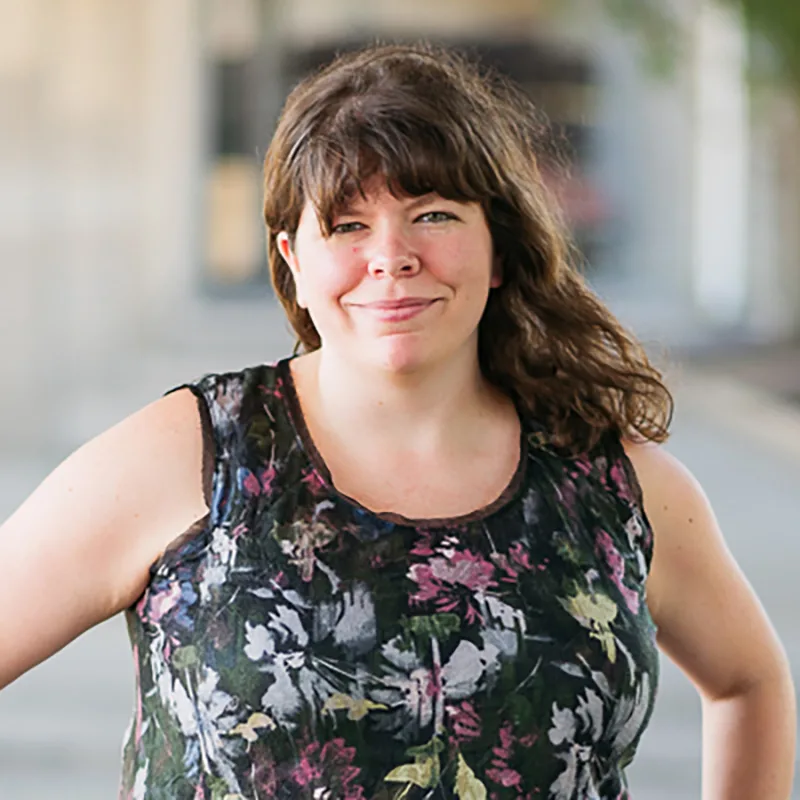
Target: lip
<point x="403" y="302"/>
<point x="397" y="310"/>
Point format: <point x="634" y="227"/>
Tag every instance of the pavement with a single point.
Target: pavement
<point x="61" y="724"/>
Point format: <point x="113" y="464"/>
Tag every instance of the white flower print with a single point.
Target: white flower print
<point x="629" y="715"/>
<point x="259" y="642"/>
<point x="564" y="725"/>
<point x="205" y="714"/>
<point x="212" y="576"/>
<point x="288" y="626"/>
<point x="504" y="625"/>
<point x="633" y="528"/>
<point x="224" y="546"/>
<point x="578" y="732"/>
<point x="467" y="669"/>
<point x="356" y="629"/>
<point x="576" y="781"/>
<point x="350" y="619"/>
<point x="280" y="648"/>
<point x="283" y="699"/>
<point x="418" y="694"/>
<point x="140" y="782"/>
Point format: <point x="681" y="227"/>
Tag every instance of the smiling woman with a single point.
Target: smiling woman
<point x="400" y="281"/>
<point x="433" y="554"/>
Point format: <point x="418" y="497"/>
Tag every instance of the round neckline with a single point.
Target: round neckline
<point x="297" y="419"/>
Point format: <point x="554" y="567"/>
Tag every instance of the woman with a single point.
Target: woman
<point x="415" y="564"/>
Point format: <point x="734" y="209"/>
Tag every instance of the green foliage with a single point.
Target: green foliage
<point x="776" y="23"/>
<point x="773" y="28"/>
<point x="652" y="21"/>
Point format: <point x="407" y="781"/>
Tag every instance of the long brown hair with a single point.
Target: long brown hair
<point x="428" y="119"/>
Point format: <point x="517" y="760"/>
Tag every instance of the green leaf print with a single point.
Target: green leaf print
<point x="425" y="628"/>
<point x="420" y="774"/>
<point x="468" y="787"/>
<point x="425" y="771"/>
<point x="218" y="787"/>
<point x="357" y="708"/>
<point x="185" y="657"/>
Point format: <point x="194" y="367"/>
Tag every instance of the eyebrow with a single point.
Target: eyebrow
<point x="350" y="206"/>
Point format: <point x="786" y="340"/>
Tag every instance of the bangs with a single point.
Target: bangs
<point x="414" y="152"/>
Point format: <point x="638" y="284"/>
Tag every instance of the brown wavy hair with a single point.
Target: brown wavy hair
<point x="428" y="119"/>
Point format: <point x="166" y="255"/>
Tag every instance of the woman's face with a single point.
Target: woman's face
<point x="401" y="283"/>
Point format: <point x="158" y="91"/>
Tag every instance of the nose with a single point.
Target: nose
<point x="392" y="255"/>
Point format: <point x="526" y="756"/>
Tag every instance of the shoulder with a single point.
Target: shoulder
<point x="675" y="502"/>
<point x="709" y="620"/>
<point x="228" y="396"/>
<point x="687" y="536"/>
<point x="661" y="475"/>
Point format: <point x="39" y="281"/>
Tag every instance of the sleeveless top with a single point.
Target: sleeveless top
<point x="294" y="644"/>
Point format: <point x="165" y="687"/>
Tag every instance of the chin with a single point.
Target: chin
<point x="393" y="355"/>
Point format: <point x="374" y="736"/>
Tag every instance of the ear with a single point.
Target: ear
<point x="497" y="273"/>
<point x="284" y="243"/>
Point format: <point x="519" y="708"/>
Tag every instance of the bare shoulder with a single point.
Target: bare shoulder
<point x="661" y="474"/>
<point x="678" y="509"/>
<point x="709" y="619"/>
<point x="84" y="540"/>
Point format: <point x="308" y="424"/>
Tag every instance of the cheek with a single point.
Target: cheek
<point x="333" y="275"/>
<point x="464" y="262"/>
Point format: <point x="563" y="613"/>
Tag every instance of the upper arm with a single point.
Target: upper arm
<point x="709" y="619"/>
<point x="79" y="549"/>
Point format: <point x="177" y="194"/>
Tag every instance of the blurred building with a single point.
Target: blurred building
<point x="131" y="202"/>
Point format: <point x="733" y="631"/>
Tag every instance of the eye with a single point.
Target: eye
<point x="436" y="216"/>
<point x="346" y="227"/>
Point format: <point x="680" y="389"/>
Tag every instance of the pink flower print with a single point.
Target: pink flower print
<point x="163" y="602"/>
<point x="376" y="561"/>
<point x="500" y="771"/>
<point x="567" y="494"/>
<point x="465" y="724"/>
<point x="329" y="767"/>
<point x="314" y="481"/>
<point x="423" y="545"/>
<point x="504" y="749"/>
<point x="620" y="479"/>
<point x="238" y="531"/>
<point x="255" y="485"/>
<point x="264" y="774"/>
<point x="583" y="467"/>
<point x="505" y="777"/>
<point x="441" y="579"/>
<point x="277" y="392"/>
<point x="521" y="557"/>
<point x="616" y="566"/>
<point x="307" y="772"/>
<point x="137" y="736"/>
<point x="500" y="560"/>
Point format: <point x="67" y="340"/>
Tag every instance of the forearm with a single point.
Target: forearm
<point x="749" y="743"/>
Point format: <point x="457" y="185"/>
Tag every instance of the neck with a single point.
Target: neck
<point x="416" y="409"/>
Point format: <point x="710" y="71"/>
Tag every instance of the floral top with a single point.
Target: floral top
<point x="294" y="644"/>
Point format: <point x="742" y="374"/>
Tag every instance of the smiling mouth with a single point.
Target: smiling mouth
<point x="396" y="310"/>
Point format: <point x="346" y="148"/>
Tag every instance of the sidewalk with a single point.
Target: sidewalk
<point x="61" y="725"/>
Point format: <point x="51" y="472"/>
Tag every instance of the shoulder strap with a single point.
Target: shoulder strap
<point x="222" y="399"/>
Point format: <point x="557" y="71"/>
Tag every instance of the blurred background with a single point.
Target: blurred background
<point x="133" y="259"/>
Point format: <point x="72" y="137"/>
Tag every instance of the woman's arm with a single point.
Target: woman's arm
<point x="712" y="625"/>
<point x="78" y="550"/>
